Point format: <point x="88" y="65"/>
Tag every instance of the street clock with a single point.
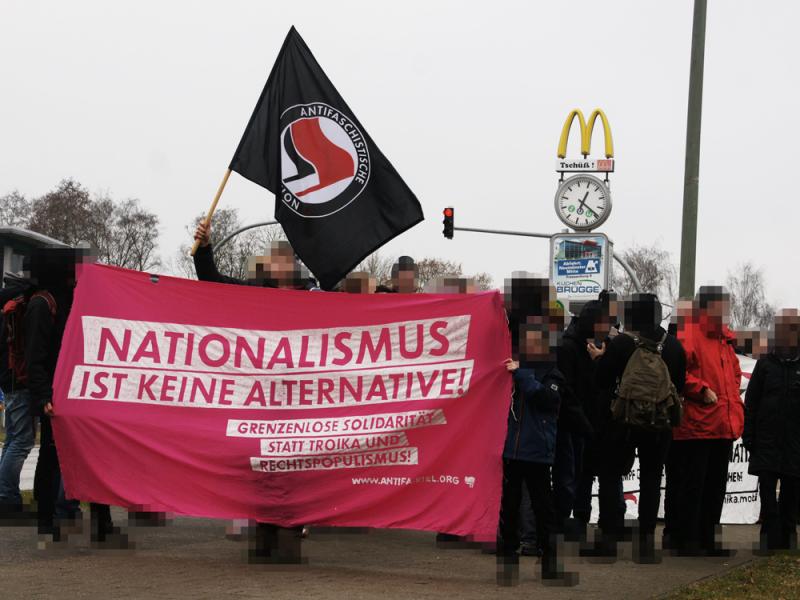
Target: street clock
<point x="583" y="202"/>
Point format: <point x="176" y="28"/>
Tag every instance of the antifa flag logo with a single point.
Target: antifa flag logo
<point x="325" y="161"/>
<point x="337" y="197"/>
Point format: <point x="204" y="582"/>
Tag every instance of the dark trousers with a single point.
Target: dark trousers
<point x="778" y="514"/>
<point x="566" y="473"/>
<point x="674" y="471"/>
<point x="48" y="491"/>
<point x="536" y="477"/>
<point x="274" y="543"/>
<point x="612" y="504"/>
<point x="527" y="521"/>
<point x="610" y="497"/>
<point x="47" y="477"/>
<point x="699" y="476"/>
<point x="652" y="448"/>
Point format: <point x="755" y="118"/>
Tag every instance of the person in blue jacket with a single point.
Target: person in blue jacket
<point x="530" y="446"/>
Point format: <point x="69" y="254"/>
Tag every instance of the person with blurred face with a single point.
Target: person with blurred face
<point x="278" y="269"/>
<point x="53" y="275"/>
<point x="529" y="449"/>
<point x="579" y="401"/>
<point x="582" y="346"/>
<point x="772" y="433"/>
<point x="405" y="276"/>
<point x="450" y="285"/>
<point x="642" y="320"/>
<point x="713" y="419"/>
<point x="359" y="282"/>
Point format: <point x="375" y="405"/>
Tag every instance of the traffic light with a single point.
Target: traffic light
<point x="448" y="222"/>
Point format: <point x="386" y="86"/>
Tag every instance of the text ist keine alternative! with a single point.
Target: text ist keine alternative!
<point x="302" y="403"/>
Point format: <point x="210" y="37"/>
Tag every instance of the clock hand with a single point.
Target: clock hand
<point x="583" y="202"/>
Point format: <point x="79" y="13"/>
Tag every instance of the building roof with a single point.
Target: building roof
<point x="24" y="236"/>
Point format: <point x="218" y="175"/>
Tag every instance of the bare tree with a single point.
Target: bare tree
<point x="135" y="233"/>
<point x="654" y="269"/>
<point x="433" y="268"/>
<point x="483" y="281"/>
<point x="15" y="210"/>
<point x="749" y="307"/>
<point x="378" y="266"/>
<point x="64" y="213"/>
<point x="231" y="259"/>
<point x="124" y="234"/>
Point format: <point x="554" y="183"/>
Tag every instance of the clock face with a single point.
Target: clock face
<point x="583" y="202"/>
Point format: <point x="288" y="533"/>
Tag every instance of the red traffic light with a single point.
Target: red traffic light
<point x="448" y="222"/>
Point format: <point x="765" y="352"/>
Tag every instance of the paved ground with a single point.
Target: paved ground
<point x="190" y="558"/>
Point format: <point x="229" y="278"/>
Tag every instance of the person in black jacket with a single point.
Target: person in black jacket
<point x="642" y="317"/>
<point x="601" y="453"/>
<point x="772" y="433"/>
<point x="280" y="269"/>
<point x="53" y="270"/>
<point x="578" y="396"/>
<point x="529" y="449"/>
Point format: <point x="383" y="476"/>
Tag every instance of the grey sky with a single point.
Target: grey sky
<point x="467" y="99"/>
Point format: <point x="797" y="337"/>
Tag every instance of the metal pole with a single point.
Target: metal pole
<point x="692" y="168"/>
<point x="619" y="259"/>
<point x="504" y="232"/>
<point x="631" y="273"/>
<point x="229" y="237"/>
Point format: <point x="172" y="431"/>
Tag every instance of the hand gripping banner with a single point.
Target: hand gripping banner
<point x="286" y="407"/>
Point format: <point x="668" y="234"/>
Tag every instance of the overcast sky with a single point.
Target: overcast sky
<point x="149" y="99"/>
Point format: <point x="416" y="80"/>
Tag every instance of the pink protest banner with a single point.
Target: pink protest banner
<point x="287" y="407"/>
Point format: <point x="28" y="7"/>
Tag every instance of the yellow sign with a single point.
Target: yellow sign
<point x="586" y="133"/>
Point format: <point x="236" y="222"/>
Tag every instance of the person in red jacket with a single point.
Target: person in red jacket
<point x="713" y="419"/>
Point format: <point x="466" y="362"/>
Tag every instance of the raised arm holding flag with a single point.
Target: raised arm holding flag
<point x="337" y="196"/>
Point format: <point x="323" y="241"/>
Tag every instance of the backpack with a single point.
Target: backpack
<point x="14" y="320"/>
<point x="646" y="397"/>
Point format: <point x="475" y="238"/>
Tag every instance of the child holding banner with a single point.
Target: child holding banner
<point x="530" y="449"/>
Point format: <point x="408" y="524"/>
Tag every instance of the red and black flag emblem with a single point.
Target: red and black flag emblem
<point x="337" y="196"/>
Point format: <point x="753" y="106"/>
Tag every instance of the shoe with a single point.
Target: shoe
<point x="507" y="571"/>
<point x="687" y="550"/>
<point x="114" y="541"/>
<point x="17" y="515"/>
<point x="109" y="537"/>
<point x="599" y="549"/>
<point x="560" y="578"/>
<point x="719" y="552"/>
<point x="275" y="546"/>
<point x="575" y="530"/>
<point x="644" y="550"/>
<point x="147" y="519"/>
<point x="446" y="541"/>
<point x="529" y="549"/>
<point x="553" y="573"/>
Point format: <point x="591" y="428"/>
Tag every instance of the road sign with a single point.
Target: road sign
<point x="580" y="266"/>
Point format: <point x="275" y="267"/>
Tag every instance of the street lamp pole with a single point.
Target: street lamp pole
<point x="692" y="169"/>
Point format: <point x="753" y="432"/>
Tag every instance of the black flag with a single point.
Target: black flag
<point x="337" y="196"/>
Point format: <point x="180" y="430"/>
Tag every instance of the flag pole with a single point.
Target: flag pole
<point x="211" y="210"/>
